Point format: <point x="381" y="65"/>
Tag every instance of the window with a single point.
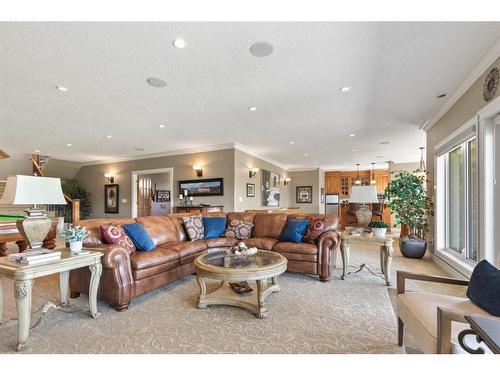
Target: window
<point x="460" y="199"/>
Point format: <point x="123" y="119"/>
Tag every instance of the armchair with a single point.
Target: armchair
<point x="433" y="320"/>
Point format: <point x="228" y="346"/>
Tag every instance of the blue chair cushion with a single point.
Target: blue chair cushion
<point x="294" y="230"/>
<point x="139" y="237"/>
<point x="484" y="287"/>
<point x="214" y="227"/>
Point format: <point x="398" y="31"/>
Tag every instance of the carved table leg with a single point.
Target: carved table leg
<point x="261" y="297"/>
<point x="63" y="287"/>
<point x="274" y="280"/>
<point x="203" y="291"/>
<point x="388" y="252"/>
<point x="382" y="259"/>
<point x="95" y="275"/>
<point x="344" y="249"/>
<point x="3" y="249"/>
<point x="22" y="292"/>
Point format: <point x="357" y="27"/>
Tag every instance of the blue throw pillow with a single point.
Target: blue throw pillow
<point x="484" y="287"/>
<point x="294" y="230"/>
<point x="139" y="236"/>
<point x="214" y="227"/>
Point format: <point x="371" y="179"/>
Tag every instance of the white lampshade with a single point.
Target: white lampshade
<point x="24" y="190"/>
<point x="363" y="194"/>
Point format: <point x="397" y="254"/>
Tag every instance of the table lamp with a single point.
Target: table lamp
<point x="363" y="195"/>
<point x="33" y="190"/>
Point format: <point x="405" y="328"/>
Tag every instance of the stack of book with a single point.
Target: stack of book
<point x="35" y="256"/>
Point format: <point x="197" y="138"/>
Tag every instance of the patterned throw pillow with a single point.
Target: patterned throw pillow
<point x="194" y="227"/>
<point x="114" y="234"/>
<point x="316" y="227"/>
<point x="238" y="229"/>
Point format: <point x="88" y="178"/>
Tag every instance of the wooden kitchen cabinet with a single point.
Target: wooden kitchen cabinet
<point x="332" y="182"/>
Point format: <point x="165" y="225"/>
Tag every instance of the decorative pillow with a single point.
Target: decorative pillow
<point x="484" y="287"/>
<point x="316" y="227"/>
<point x="214" y="227"/>
<point x="114" y="234"/>
<point x="238" y="229"/>
<point x="294" y="230"/>
<point x="194" y="227"/>
<point x="139" y="236"/>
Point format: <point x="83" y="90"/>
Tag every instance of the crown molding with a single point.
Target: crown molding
<point x="195" y="150"/>
<point x="248" y="150"/>
<point x="487" y="58"/>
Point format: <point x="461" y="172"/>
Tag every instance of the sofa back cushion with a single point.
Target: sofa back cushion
<point x="245" y="216"/>
<point x="94" y="227"/>
<point x="160" y="228"/>
<point x="268" y="225"/>
<point x="139" y="236"/>
<point x="484" y="287"/>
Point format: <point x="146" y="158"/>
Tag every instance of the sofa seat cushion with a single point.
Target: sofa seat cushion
<point x="221" y="242"/>
<point x="144" y="259"/>
<point x="418" y="311"/>
<point x="300" y="257"/>
<point x="296" y="248"/>
<point x="151" y="271"/>
<point x="187" y="250"/>
<point x="260" y="243"/>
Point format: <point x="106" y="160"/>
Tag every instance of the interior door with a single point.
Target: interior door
<point x="144" y="197"/>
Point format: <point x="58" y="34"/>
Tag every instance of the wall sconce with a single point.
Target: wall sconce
<point x="199" y="170"/>
<point x="110" y="177"/>
<point x="252" y="172"/>
<point x="286" y="181"/>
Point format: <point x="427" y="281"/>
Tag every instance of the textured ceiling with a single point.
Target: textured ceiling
<point x="395" y="71"/>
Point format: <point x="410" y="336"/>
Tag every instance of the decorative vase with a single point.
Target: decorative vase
<point x="75" y="246"/>
<point x="363" y="216"/>
<point x="412" y="247"/>
<point x="379" y="232"/>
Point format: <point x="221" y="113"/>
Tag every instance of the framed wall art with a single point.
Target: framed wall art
<point x="304" y="194"/>
<point x="111" y="198"/>
<point x="270" y="188"/>
<point x="250" y="190"/>
<point x="202" y="188"/>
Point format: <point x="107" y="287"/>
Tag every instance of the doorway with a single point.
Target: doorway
<point x="152" y="192"/>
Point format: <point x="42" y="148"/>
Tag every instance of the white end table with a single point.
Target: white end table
<point x="386" y="251"/>
<point x="24" y="275"/>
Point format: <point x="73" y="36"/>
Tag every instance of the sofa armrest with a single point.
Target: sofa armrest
<point x="402" y="276"/>
<point x="444" y="318"/>
<point x="328" y="240"/>
<point x="117" y="283"/>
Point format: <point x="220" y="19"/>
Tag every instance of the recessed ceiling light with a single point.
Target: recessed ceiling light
<point x="354" y="150"/>
<point x="385" y="143"/>
<point x="37" y="151"/>
<point x="156" y="82"/>
<point x="345" y="89"/>
<point x="380" y="157"/>
<point x="441" y="96"/>
<point x="352" y="135"/>
<point x="306" y="155"/>
<point x="138" y="149"/>
<point x="261" y="49"/>
<point x="69" y="144"/>
<point x="109" y="136"/>
<point x="179" y="43"/>
<point x="62" y="88"/>
<point x="252" y="109"/>
<point x="292" y="142"/>
<point x="161" y="126"/>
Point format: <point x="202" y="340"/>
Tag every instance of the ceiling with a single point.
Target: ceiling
<point x="394" y="70"/>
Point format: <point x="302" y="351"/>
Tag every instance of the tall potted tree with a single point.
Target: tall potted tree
<point x="412" y="207"/>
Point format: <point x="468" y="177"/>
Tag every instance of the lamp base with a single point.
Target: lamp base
<point x="34" y="227"/>
<point x="363" y="216"/>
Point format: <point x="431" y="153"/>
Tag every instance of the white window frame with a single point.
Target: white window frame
<point x="462" y="135"/>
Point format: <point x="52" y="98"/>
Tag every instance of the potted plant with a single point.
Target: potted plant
<point x="411" y="206"/>
<point x="378" y="228"/>
<point x="74" y="234"/>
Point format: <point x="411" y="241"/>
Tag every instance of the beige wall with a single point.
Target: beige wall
<point x="64" y="169"/>
<point x="463" y="110"/>
<point x="410" y="167"/>
<point x="307" y="178"/>
<point x="16" y="164"/>
<point x="242" y="163"/>
<point x="215" y="164"/>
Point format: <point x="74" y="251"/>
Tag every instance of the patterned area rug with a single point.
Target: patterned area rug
<point x="306" y="316"/>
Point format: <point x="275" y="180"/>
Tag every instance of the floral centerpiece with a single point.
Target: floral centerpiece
<point x="74" y="234"/>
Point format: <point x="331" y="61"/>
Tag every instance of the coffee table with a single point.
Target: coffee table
<point x="24" y="275"/>
<point x="261" y="268"/>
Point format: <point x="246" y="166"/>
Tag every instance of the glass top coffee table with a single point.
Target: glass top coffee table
<point x="260" y="268"/>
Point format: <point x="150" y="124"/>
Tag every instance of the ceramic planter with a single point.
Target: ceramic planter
<point x="379" y="232"/>
<point x="75" y="246"/>
<point x="412" y="247"/>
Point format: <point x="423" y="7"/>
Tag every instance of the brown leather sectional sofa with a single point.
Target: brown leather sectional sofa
<point x="127" y="276"/>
